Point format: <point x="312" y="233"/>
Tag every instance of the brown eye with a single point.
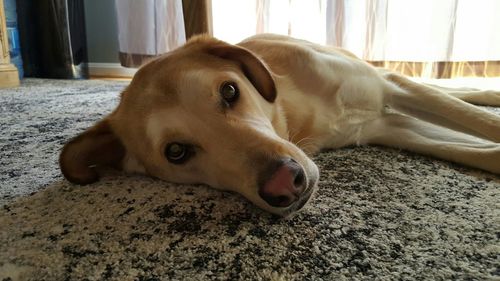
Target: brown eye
<point x="229" y="92"/>
<point x="177" y="153"/>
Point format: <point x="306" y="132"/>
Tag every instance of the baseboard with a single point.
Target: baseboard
<point x="97" y="69"/>
<point x="9" y="77"/>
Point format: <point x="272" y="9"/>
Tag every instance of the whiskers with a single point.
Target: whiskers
<point x="307" y="144"/>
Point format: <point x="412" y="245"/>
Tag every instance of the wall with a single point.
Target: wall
<point x="102" y="33"/>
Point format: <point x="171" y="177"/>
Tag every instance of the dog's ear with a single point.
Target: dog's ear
<point x="97" y="146"/>
<point x="254" y="68"/>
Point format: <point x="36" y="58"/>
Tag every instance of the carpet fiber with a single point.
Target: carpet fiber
<point x="380" y="214"/>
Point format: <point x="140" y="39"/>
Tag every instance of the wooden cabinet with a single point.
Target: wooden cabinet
<point x="8" y="72"/>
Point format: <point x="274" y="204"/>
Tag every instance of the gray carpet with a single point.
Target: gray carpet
<point x="380" y="214"/>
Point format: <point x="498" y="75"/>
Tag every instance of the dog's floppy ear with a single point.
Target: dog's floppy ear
<point x="97" y="146"/>
<point x="255" y="69"/>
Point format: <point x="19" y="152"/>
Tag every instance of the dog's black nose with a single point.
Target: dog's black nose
<point x="285" y="185"/>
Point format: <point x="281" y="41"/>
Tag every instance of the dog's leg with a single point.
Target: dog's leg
<point x="400" y="131"/>
<point x="433" y="105"/>
<point x="471" y="95"/>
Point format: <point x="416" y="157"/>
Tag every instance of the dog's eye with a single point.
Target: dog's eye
<point x="229" y="92"/>
<point x="177" y="153"/>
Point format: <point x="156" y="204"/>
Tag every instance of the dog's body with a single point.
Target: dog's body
<point x="244" y="118"/>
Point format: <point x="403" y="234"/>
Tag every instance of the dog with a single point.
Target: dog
<point x="246" y="118"/>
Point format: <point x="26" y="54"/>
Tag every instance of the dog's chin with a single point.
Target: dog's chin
<point x="287" y="212"/>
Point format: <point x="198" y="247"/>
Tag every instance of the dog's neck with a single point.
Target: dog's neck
<point x="292" y="128"/>
<point x="279" y="121"/>
<point x="294" y="117"/>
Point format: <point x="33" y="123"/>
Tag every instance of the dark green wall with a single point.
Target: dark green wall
<point x="102" y="32"/>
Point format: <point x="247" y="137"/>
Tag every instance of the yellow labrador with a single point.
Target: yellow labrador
<point x="245" y="118"/>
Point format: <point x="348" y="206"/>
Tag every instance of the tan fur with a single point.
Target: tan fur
<point x="295" y="97"/>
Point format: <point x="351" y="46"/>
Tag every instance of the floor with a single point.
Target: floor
<point x="380" y="214"/>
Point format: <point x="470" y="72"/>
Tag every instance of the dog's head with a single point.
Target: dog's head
<point x="204" y="113"/>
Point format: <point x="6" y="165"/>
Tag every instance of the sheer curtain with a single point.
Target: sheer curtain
<point x="148" y="28"/>
<point x="428" y="38"/>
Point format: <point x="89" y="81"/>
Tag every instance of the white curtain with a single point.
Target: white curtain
<point x="376" y="30"/>
<point x="147" y="28"/>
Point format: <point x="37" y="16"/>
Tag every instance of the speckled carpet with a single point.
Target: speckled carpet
<point x="380" y="214"/>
